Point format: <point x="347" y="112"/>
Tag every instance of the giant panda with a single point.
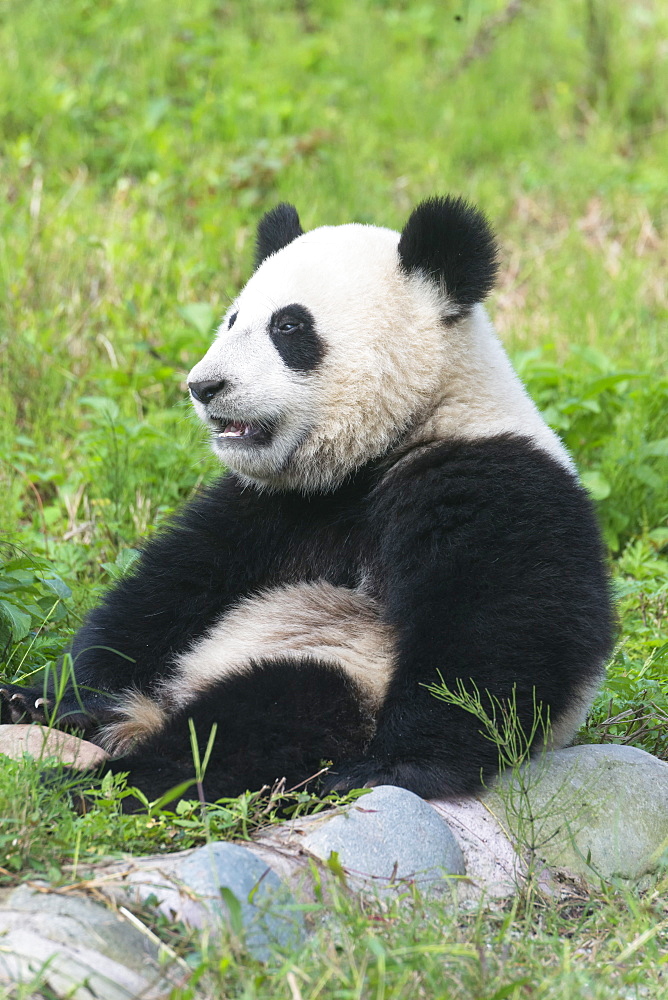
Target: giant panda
<point x="394" y="513"/>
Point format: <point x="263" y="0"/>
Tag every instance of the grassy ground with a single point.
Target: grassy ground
<point x="139" y="143"/>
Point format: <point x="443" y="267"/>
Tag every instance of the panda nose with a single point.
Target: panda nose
<point x="205" y="391"/>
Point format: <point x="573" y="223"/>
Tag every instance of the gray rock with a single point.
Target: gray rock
<point x="81" y="948"/>
<point x="389" y="836"/>
<point x="217" y="883"/>
<point x="595" y="810"/>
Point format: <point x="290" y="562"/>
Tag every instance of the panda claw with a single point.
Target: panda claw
<point x="22" y="704"/>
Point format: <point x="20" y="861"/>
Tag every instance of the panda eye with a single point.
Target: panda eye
<point x="288" y="326"/>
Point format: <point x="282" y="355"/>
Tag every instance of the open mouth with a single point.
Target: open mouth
<point x="239" y="430"/>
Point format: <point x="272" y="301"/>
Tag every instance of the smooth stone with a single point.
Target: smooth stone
<point x="43" y="743"/>
<point x="81" y="948"/>
<point x="391" y="837"/>
<point x="214" y="884"/>
<point x="596" y="810"/>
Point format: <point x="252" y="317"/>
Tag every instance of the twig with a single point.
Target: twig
<point x="486" y="36"/>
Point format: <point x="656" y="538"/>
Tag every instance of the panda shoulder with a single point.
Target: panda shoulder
<point x="450" y="479"/>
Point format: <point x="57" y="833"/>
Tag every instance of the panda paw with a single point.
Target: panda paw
<point x="24" y="704"/>
<point x="424" y="778"/>
<point x="359" y="774"/>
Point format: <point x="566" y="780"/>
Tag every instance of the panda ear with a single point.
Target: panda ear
<point x="275" y="230"/>
<point x="451" y="242"/>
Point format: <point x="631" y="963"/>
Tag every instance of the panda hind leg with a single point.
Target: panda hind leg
<point x="277" y="719"/>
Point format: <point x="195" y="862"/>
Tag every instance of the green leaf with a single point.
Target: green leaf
<point x="18" y="621"/>
<point x="200" y="315"/>
<point x="124" y="562"/>
<point x="592" y="356"/>
<point x="509" y="989"/>
<point x="600" y="385"/>
<point x="170" y="795"/>
<point x="656" y="448"/>
<point x="103" y="405"/>
<point x="126" y="558"/>
<point x="58" y="586"/>
<point x="659" y="537"/>
<point x="648" y="477"/>
<point x="596" y="483"/>
<point x="156" y="111"/>
<point x="374" y="946"/>
<point x="233" y="908"/>
<point x="336" y="868"/>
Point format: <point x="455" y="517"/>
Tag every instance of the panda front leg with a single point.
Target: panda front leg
<point x="278" y="719"/>
<point x="220" y="547"/>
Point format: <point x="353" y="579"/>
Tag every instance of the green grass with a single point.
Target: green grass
<point x="604" y="947"/>
<point x="139" y="144"/>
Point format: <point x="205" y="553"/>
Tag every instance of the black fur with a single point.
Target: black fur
<point x="451" y="242"/>
<point x="299" y="716"/>
<point x="275" y="230"/>
<point x="230" y="542"/>
<point x="486" y="558"/>
<point x="300" y="347"/>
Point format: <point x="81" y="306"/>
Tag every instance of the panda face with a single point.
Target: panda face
<point x="353" y="342"/>
<point x="323" y="361"/>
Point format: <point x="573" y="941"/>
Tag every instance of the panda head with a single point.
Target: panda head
<point x="341" y="342"/>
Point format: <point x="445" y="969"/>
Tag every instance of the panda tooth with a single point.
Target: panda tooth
<point x="235" y="428"/>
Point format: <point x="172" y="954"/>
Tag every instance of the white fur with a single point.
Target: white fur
<point x="298" y="622"/>
<point x="137" y="717"/>
<point x="483" y="395"/>
<point x="565" y="726"/>
<point x="394" y="375"/>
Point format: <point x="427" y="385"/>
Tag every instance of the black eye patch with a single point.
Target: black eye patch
<point x="232" y="320"/>
<point x="293" y="333"/>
